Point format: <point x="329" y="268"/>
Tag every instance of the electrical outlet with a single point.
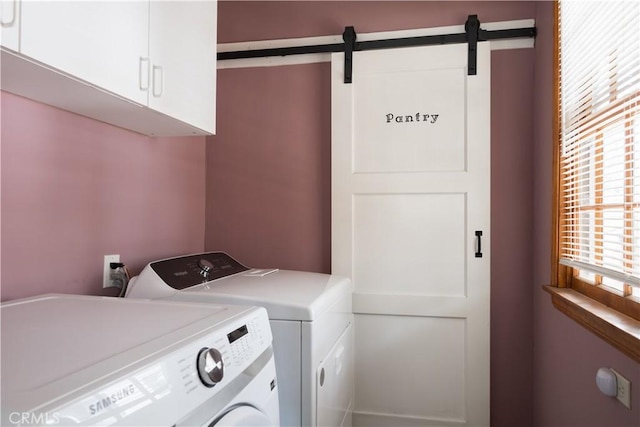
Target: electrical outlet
<point x="624" y="390"/>
<point x="108" y="259"/>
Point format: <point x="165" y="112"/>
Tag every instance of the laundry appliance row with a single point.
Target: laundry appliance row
<point x="311" y="320"/>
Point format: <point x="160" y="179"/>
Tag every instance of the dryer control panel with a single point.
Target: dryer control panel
<point x="184" y="272"/>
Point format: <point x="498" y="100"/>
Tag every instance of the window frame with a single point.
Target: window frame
<point x="607" y="312"/>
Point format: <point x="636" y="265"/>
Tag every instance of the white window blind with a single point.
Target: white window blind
<point x="600" y="146"/>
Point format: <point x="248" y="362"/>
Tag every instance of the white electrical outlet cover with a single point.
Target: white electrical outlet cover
<point x="108" y="259"/>
<point x="624" y="389"/>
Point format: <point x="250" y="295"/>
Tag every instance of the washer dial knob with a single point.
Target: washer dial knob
<point x="205" y="267"/>
<point x="210" y="366"/>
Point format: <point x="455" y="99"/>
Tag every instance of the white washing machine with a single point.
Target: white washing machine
<point x="81" y="360"/>
<point x="311" y="319"/>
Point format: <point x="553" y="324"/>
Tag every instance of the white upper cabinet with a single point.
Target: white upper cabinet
<point x="10" y="24"/>
<point x="147" y="66"/>
<point x="100" y="42"/>
<point x="183" y="68"/>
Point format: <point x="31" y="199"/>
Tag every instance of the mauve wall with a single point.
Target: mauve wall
<point x="566" y="356"/>
<point x="74" y="190"/>
<point x="268" y="167"/>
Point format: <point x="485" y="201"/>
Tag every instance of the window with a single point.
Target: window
<point x="598" y="229"/>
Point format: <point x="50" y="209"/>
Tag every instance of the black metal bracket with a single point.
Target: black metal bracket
<point x="349" y="37"/>
<point x="472" y="27"/>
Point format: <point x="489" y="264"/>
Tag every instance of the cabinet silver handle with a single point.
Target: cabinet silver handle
<point x="158" y="81"/>
<point x="143" y="74"/>
<point x="10" y="22"/>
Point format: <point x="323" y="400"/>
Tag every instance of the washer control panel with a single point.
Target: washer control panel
<point x="232" y="350"/>
<point x="184" y="272"/>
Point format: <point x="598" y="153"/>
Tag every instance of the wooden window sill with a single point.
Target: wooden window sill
<point x="623" y="332"/>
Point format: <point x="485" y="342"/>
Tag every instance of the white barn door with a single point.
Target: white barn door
<point x="410" y="188"/>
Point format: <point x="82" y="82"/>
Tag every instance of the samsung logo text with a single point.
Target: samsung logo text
<point x="111" y="399"/>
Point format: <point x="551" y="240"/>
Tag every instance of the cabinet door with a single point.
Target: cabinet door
<point x="9" y="21"/>
<point x="182" y="46"/>
<point x="104" y="43"/>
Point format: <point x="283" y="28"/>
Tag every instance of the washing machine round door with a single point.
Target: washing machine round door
<point x="243" y="416"/>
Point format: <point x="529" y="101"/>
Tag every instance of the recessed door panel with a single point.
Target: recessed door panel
<point x="410" y="121"/>
<point x="419" y="358"/>
<point x="424" y="243"/>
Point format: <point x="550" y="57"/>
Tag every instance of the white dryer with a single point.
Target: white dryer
<point x="81" y="360"/>
<point x="311" y="320"/>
